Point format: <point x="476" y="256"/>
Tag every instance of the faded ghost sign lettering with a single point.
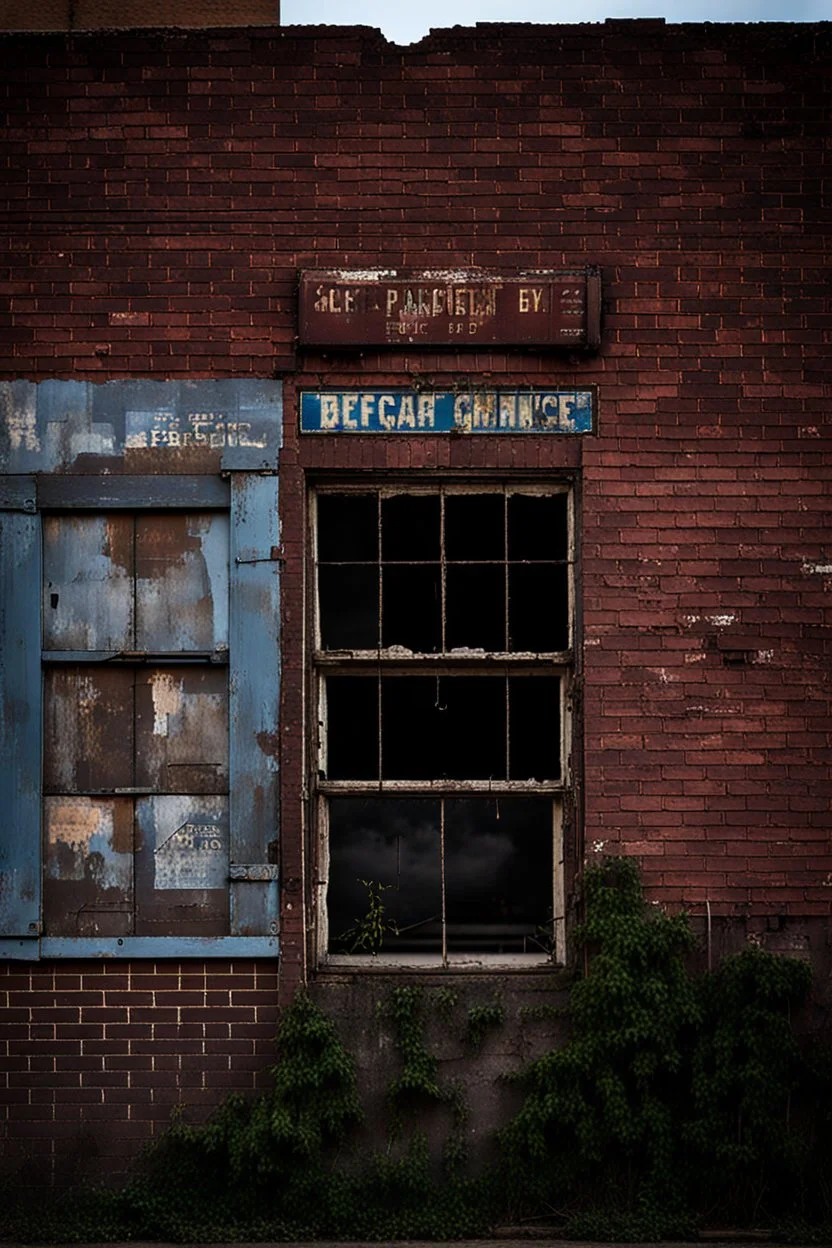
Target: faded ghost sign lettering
<point x="201" y="429"/>
<point x="455" y="308"/>
<point x="481" y="411"/>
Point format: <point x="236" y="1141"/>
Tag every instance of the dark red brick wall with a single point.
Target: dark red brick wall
<point x="161" y="192"/>
<point x="96" y="1055"/>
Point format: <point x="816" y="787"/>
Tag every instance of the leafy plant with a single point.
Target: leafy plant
<point x="481" y="1019"/>
<point x="368" y="932"/>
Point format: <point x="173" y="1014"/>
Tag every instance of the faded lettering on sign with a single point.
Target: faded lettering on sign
<point x="194" y="856"/>
<point x="483" y="411"/>
<point x="215" y="430"/>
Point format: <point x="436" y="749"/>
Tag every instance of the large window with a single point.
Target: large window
<point x="442" y="663"/>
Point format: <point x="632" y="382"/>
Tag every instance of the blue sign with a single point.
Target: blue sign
<point x="435" y="411"/>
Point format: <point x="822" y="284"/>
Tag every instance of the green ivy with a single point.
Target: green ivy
<point x="674" y="1101"/>
<point x="481" y="1019"/>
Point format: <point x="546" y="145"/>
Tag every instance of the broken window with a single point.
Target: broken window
<point x="443" y="658"/>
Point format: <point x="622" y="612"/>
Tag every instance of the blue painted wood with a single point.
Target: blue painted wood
<point x="20" y="724"/>
<point x="254" y="693"/>
<point x="158" y="947"/>
<point x="428" y="411"/>
<point x="19" y="950"/>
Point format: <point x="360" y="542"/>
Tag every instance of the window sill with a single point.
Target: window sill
<point x="457" y="963"/>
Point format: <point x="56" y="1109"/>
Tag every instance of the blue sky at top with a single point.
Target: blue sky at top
<point x="404" y="21"/>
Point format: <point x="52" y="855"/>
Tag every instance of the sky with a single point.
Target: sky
<point x="406" y="21"/>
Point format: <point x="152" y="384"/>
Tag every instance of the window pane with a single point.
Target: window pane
<point x="534" y="727"/>
<point x="537" y="526"/>
<point x="498" y="874"/>
<point x="538" y="607"/>
<point x="348" y="528"/>
<point x="443" y="727"/>
<point x="348" y="605"/>
<point x="412" y="607"/>
<point x="412" y="736"/>
<point x="410" y="527"/>
<point x="393" y="844"/>
<point x="475" y="614"/>
<point x="352" y="727"/>
<point x="475" y="526"/>
<point x="474" y="722"/>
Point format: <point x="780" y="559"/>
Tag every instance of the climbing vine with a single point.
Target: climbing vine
<point x="674" y="1101"/>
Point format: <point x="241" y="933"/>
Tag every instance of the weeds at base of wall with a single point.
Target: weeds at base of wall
<point x="676" y="1103"/>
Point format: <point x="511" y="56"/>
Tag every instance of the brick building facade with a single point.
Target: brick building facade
<point x="162" y="193"/>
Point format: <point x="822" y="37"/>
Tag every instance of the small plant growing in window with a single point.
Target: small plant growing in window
<point x="367" y="933"/>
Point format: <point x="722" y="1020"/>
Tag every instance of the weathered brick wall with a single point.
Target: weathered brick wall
<point x="161" y="193"/>
<point x="96" y="1055"/>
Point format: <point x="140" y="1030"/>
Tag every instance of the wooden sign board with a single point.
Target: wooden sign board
<point x="450" y="308"/>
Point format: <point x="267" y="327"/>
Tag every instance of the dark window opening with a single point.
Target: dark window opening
<point x="441" y="736"/>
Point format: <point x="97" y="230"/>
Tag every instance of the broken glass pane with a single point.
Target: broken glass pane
<point x="387" y="848"/>
<point x="410" y="527"/>
<point x="498" y="874"/>
<point x="348" y="606"/>
<point x="537" y="526"/>
<point x="475" y="526"/>
<point x="475" y="612"/>
<point x="538" y="607"/>
<point x="534" y="727"/>
<point x="348" y="528"/>
<point x="411" y="747"/>
<point x="443" y="727"/>
<point x="352" y="727"/>
<point x="412" y="606"/>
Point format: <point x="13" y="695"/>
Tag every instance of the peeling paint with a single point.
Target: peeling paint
<point x="817" y="569"/>
<point x="721" y="621"/>
<point x="22" y="427"/>
<point x="166" y="692"/>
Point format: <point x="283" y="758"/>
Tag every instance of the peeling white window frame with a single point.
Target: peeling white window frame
<point x="395" y="661"/>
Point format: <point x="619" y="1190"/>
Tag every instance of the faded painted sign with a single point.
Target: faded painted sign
<point x="139" y="426"/>
<point x="194" y="856"/>
<point x="456" y="308"/>
<point x="482" y="411"/>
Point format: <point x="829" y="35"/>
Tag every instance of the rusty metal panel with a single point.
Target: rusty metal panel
<point x="181" y="866"/>
<point x="455" y="308"/>
<point x="153" y="427"/>
<point x="107" y="492"/>
<point x="88" y="729"/>
<point x="18" y="494"/>
<point x="88" y="583"/>
<point x="182" y="582"/>
<point x="182" y="730"/>
<point x="20" y="724"/>
<point x="88" y="866"/>
<point x="254" y="699"/>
